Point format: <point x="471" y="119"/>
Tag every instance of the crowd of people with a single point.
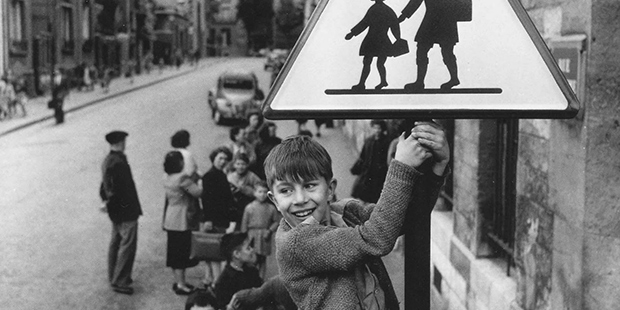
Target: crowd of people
<point x="258" y="186"/>
<point x="231" y="199"/>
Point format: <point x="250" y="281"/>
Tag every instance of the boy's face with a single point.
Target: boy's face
<point x="245" y="254"/>
<point x="260" y="193"/>
<point x="240" y="166"/>
<point x="297" y="201"/>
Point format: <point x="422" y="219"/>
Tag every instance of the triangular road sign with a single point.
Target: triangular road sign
<point x="503" y="67"/>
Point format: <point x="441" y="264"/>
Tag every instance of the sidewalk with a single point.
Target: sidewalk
<point x="37" y="110"/>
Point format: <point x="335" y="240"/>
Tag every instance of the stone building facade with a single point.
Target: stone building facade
<point x="531" y="219"/>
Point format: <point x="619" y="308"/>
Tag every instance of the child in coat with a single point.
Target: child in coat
<point x="239" y="273"/>
<point x="260" y="220"/>
<point x="329" y="254"/>
<point x="242" y="182"/>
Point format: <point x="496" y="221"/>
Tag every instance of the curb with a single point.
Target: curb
<point x="104" y="98"/>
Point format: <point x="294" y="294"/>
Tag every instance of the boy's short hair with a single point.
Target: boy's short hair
<point x="298" y="158"/>
<point x="241" y="156"/>
<point x="200" y="298"/>
<point x="261" y="184"/>
<point x="173" y="162"/>
<point x="221" y="149"/>
<point x="232" y="242"/>
<point x="180" y="139"/>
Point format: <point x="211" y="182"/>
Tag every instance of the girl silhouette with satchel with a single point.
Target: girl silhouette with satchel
<point x="378" y="19"/>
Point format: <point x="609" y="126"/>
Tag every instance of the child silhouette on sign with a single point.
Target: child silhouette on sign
<point x="379" y="19"/>
<point x="438" y="26"/>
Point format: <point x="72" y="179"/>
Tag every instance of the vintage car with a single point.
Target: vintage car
<point x="235" y="95"/>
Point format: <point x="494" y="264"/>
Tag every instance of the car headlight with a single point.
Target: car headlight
<point x="222" y="102"/>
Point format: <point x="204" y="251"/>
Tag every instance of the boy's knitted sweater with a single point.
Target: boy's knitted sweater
<point x="317" y="263"/>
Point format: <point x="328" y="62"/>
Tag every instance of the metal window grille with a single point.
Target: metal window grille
<point x="501" y="230"/>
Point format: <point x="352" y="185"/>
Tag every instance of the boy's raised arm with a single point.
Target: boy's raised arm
<point x="325" y="248"/>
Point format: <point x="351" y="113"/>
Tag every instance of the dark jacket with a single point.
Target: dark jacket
<point x="231" y="281"/>
<point x="217" y="199"/>
<point x="371" y="168"/>
<point x="61" y="90"/>
<point x="118" y="189"/>
<point x="263" y="148"/>
<point x="272" y="293"/>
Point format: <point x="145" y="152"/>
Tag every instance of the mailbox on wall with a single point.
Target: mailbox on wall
<point x="569" y="52"/>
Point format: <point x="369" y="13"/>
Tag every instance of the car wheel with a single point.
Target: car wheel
<point x="217" y="117"/>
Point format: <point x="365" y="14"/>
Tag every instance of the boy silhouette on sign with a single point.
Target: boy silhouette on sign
<point x="379" y="19"/>
<point x="438" y="26"/>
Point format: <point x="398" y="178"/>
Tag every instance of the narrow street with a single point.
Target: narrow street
<point x="53" y="241"/>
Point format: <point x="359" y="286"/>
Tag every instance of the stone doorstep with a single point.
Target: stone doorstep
<point x="488" y="284"/>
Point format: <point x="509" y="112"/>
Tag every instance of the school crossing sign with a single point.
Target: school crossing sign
<point x="420" y="58"/>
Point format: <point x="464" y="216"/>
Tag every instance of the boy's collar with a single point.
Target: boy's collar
<point x="336" y="219"/>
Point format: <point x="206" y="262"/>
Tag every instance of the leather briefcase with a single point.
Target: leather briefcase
<point x="206" y="246"/>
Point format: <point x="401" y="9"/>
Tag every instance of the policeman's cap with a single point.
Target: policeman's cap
<point x="116" y="136"/>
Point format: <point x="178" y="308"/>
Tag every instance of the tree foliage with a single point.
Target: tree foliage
<point x="290" y="22"/>
<point x="256" y="16"/>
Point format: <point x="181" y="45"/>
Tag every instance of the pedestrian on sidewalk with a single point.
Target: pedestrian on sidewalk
<point x="7" y="98"/>
<point x="21" y="98"/>
<point x="217" y="203"/>
<point x="4" y="99"/>
<point x="119" y="194"/>
<point x="59" y="93"/>
<point x="106" y="79"/>
<point x="182" y="215"/>
<point x="371" y="166"/>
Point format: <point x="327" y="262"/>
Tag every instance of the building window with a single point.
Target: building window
<point x="501" y="224"/>
<point x="226" y="39"/>
<point x="66" y="31"/>
<point x="17" y="37"/>
<point x="86" y="20"/>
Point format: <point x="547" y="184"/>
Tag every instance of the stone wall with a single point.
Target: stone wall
<point x="601" y="275"/>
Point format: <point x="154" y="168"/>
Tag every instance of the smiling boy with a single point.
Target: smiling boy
<point x="329" y="253"/>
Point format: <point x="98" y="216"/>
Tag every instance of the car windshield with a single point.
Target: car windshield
<point x="233" y="83"/>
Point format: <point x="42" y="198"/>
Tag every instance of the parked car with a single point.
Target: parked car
<point x="236" y="95"/>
